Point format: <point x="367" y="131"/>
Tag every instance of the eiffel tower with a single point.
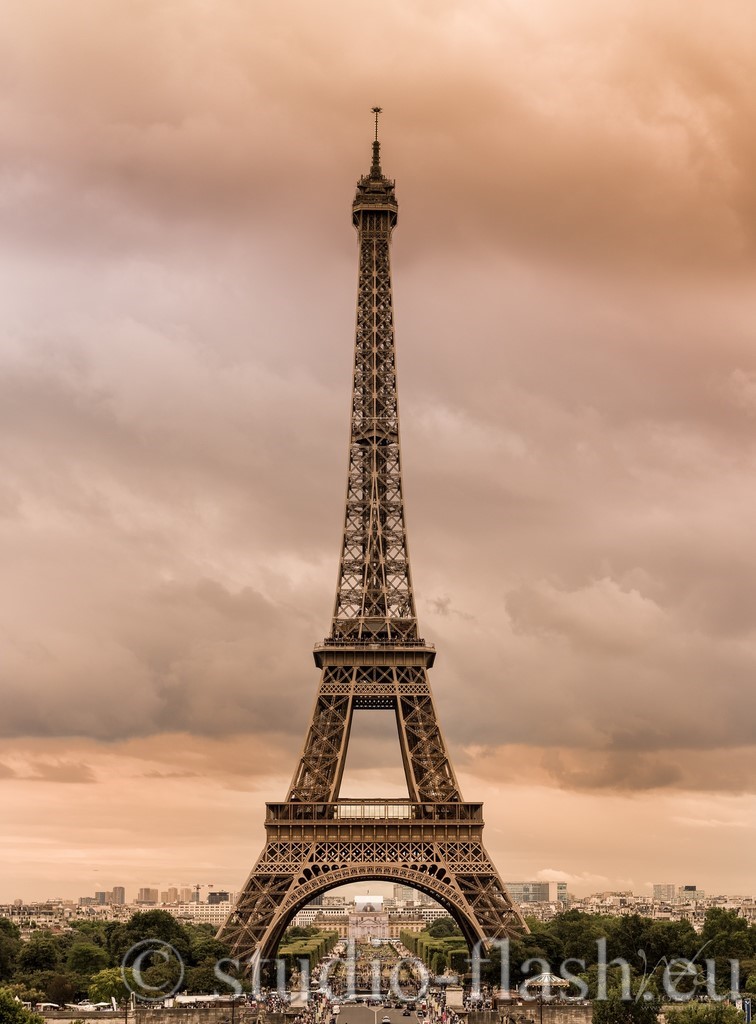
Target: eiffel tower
<point x="372" y="659"/>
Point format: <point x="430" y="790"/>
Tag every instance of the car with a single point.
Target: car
<point x="386" y="1020"/>
<point x="406" y="1012"/>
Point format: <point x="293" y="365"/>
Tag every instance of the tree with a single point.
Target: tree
<point x="60" y="988"/>
<point x="10" y="945"/>
<point x="442" y="927"/>
<point x="629" y="938"/>
<point x="150" y="924"/>
<point x="202" y="978"/>
<point x="705" y="1013"/>
<point x="206" y="947"/>
<point x="725" y="934"/>
<point x="725" y="937"/>
<point x="26" y="993"/>
<point x="39" y="954"/>
<point x="109" y="984"/>
<point x="14" y="1012"/>
<point x="576" y="934"/>
<point x="87" y="959"/>
<point x="616" y="1010"/>
<point x="670" y="940"/>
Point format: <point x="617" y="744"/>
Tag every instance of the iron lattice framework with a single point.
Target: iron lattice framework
<point x="372" y="659"/>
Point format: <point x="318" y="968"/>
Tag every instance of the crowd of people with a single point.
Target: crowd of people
<point x="384" y="974"/>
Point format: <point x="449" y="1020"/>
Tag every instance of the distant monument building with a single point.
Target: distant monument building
<point x="369" y="920"/>
<point x="373" y="659"/>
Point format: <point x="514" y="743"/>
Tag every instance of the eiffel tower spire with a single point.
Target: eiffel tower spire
<point x="374" y="598"/>
<point x="373" y="659"/>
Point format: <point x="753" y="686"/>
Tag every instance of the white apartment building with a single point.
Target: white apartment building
<point x="199" y="913"/>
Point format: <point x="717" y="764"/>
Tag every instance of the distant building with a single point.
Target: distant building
<point x="664" y="892"/>
<point x="328" y="901"/>
<point x="210" y="913"/>
<point x="306" y="917"/>
<point x="219" y="896"/>
<point x="690" y="892"/>
<point x="365" y="925"/>
<point x="538" y="892"/>
<point x="368" y="904"/>
<point x="185" y="894"/>
<point x="119" y="895"/>
<point x="147" y="896"/>
<point x="434" y="913"/>
<point x="405" y="893"/>
<point x="397" y="925"/>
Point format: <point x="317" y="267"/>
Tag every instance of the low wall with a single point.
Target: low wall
<point x="99" y="1015"/>
<point x="553" y="1013"/>
<point x="197" y="1015"/>
<point x="159" y="1015"/>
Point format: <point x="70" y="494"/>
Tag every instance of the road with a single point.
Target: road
<point x="356" y="1014"/>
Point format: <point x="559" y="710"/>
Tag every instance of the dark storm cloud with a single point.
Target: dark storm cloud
<point x="614" y="133"/>
<point x="576" y="326"/>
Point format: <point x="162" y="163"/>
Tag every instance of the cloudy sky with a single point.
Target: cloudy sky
<point x="574" y="281"/>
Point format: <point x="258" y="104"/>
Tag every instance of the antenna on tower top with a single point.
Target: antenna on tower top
<point x="377" y="111"/>
<point x="375" y="170"/>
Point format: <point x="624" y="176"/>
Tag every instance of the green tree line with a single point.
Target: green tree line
<point x="440" y="947"/>
<point x="648" y="946"/>
<point x="85" y="962"/>
<point x="308" y="944"/>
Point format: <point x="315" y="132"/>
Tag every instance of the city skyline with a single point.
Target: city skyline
<point x="664" y="892"/>
<point x="575" y="321"/>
